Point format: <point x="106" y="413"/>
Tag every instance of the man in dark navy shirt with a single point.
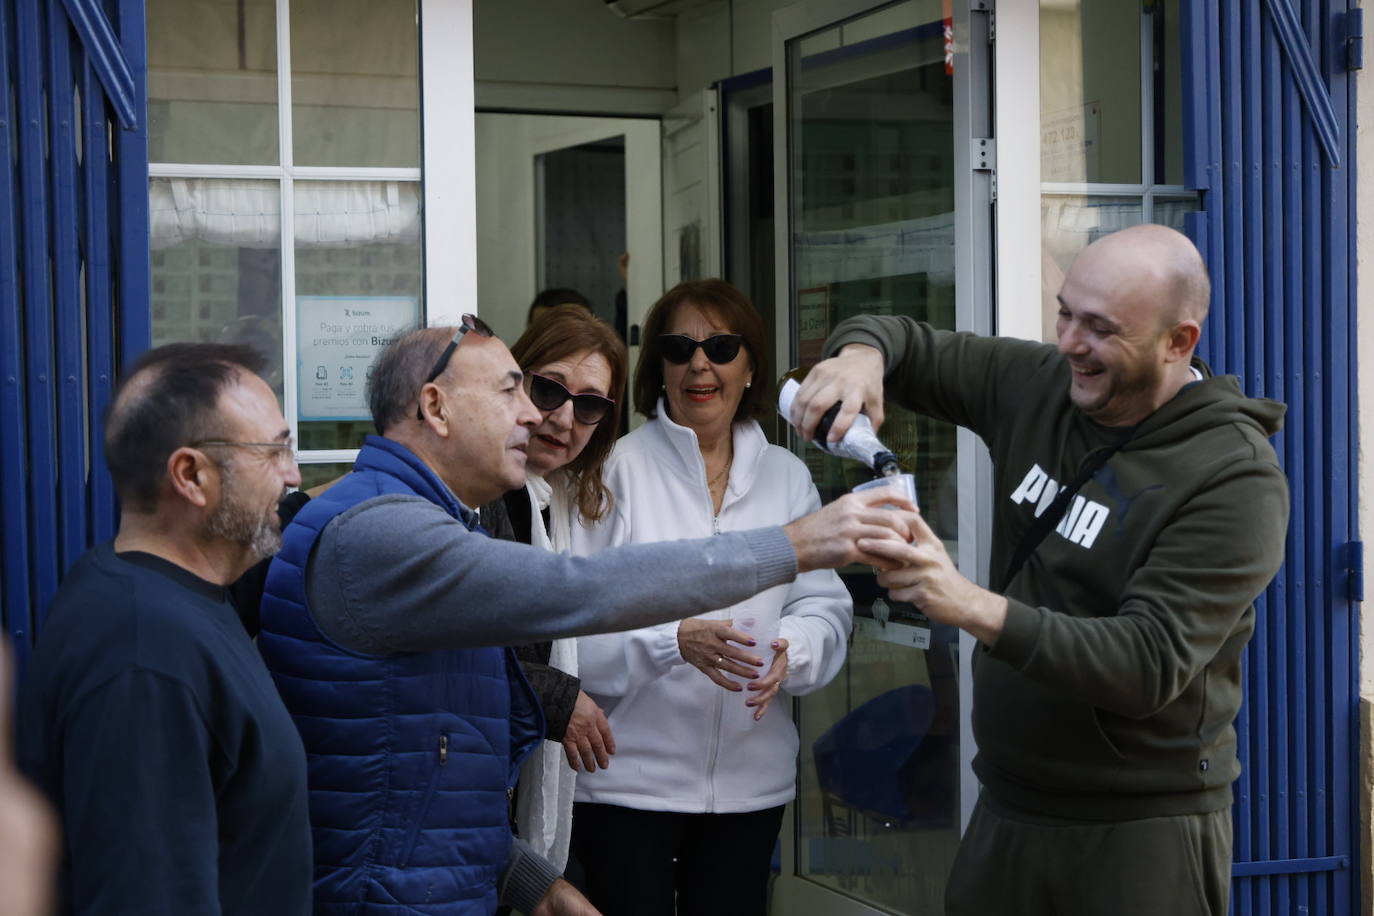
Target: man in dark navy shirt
<point x="147" y="716"/>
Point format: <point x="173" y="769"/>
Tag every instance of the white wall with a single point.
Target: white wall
<point x="722" y="40"/>
<point x="1364" y="257"/>
<point x="571" y="55"/>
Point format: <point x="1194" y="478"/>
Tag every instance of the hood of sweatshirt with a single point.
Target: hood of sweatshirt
<point x="1205" y="405"/>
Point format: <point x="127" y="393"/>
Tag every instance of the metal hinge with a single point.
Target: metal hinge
<point x="985" y="159"/>
<point x="1354" y="570"/>
<point x="1354" y="39"/>
<point x="989" y="7"/>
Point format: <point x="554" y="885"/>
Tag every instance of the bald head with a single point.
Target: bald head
<point x="1157" y="267"/>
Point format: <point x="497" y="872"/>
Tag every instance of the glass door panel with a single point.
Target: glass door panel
<point x="871" y="154"/>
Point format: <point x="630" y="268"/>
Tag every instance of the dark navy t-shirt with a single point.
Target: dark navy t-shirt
<point x="148" y="718"/>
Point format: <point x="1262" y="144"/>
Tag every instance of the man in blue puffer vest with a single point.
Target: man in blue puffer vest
<point x="381" y="609"/>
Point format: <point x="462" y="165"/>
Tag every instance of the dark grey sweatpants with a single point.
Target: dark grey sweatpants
<point x="1014" y="863"/>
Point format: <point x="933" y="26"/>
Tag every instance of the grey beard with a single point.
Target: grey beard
<point x="239" y="523"/>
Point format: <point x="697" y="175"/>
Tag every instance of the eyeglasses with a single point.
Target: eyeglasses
<point x="719" y="348"/>
<point x="467" y="323"/>
<point x="282" y="452"/>
<point x="548" y="394"/>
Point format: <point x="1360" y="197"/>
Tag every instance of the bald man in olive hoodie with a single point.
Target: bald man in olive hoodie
<point x="1108" y="674"/>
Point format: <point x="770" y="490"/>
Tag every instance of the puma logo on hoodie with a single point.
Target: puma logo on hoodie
<point x="1083" y="521"/>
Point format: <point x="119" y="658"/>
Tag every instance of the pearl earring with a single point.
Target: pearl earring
<point x="747" y="384"/>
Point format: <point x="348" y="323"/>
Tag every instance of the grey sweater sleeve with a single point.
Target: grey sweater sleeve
<point x="526" y="879"/>
<point x="397" y="574"/>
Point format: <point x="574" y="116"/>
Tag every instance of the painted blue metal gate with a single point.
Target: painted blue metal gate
<point x="1269" y="118"/>
<point x="73" y="278"/>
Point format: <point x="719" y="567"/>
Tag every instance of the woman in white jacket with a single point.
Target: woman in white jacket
<point x="685" y="819"/>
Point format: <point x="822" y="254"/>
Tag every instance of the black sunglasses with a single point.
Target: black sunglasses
<point x="719" y="348"/>
<point x="468" y="323"/>
<point x="548" y="394"/>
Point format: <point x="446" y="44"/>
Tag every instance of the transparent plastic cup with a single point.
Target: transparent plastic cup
<point x="764" y="629"/>
<point x="905" y="484"/>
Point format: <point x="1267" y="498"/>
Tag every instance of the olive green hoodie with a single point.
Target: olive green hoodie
<point x="1111" y="691"/>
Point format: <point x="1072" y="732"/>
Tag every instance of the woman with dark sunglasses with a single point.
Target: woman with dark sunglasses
<point x="685" y="821"/>
<point x="575" y="369"/>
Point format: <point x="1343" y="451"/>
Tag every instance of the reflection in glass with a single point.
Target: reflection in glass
<point x="355" y="83"/>
<point x="216" y="265"/>
<point x="1090" y="125"/>
<point x="360" y="240"/>
<point x="872" y="160"/>
<point x="212" y="81"/>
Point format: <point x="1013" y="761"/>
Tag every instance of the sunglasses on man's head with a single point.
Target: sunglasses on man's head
<point x="549" y="395"/>
<point x="467" y="323"/>
<point x="719" y="348"/>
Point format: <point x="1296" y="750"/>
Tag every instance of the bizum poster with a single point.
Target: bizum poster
<point x="337" y="340"/>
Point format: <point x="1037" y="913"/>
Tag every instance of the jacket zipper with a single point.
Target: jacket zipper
<point x="715" y="751"/>
<point x="414" y="833"/>
<point x="719" y="695"/>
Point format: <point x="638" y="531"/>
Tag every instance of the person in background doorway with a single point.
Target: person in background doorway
<point x="1139" y="509"/>
<point x="686" y="820"/>
<point x="622" y="297"/>
<point x="575" y="370"/>
<point x="147" y="715"/>
<point x="554" y="297"/>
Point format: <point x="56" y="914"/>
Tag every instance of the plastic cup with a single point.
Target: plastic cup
<point x="905" y="484"/>
<point x="763" y="629"/>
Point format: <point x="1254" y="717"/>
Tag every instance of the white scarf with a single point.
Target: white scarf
<point x="544" y="810"/>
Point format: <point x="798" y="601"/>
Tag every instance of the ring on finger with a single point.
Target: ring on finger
<point x="719" y="659"/>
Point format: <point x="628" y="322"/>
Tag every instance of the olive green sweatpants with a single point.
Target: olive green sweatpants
<point x="1013" y="863"/>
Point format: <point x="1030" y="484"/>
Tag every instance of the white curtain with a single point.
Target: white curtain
<point x="246" y="213"/>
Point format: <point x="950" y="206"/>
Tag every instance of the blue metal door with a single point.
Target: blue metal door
<point x="73" y="278"/>
<point x="1269" y="128"/>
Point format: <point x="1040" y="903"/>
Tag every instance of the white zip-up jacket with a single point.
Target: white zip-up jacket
<point x="683" y="743"/>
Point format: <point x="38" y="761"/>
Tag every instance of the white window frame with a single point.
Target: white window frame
<point x="447" y="177"/>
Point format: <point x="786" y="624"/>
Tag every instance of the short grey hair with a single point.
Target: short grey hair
<point x="399" y="372"/>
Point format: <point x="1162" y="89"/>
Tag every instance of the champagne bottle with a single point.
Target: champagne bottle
<point x="860" y="442"/>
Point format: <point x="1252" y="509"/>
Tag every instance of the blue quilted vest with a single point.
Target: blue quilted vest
<point x="411" y="757"/>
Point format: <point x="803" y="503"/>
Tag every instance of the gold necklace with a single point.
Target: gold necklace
<point x="711" y="484"/>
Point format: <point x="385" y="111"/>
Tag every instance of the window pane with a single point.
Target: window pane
<point x="871" y="118"/>
<point x="355" y="83"/>
<point x="212" y="81"/>
<point x="1090" y="91"/>
<point x="358" y="282"/>
<point x="312" y="475"/>
<point x="1168" y="95"/>
<point x="216" y="265"/>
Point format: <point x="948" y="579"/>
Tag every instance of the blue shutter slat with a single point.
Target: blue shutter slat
<point x="66" y="263"/>
<point x="1315" y="97"/>
<point x="14" y="511"/>
<point x="36" y="290"/>
<point x="109" y="60"/>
